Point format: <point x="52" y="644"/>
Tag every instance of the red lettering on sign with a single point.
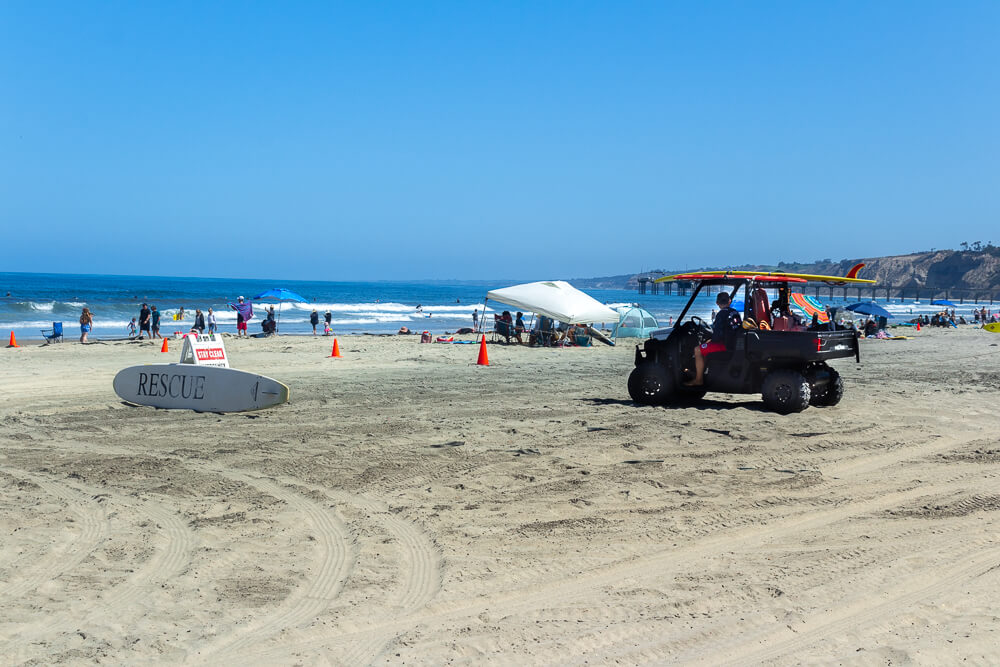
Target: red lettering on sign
<point x="210" y="354"/>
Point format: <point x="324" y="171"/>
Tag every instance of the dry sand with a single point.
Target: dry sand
<point x="408" y="506"/>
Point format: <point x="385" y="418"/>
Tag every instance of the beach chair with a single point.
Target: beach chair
<point x="502" y="330"/>
<point x="761" y="307"/>
<point x="55" y="334"/>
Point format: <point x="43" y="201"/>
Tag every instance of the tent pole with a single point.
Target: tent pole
<point x="482" y="318"/>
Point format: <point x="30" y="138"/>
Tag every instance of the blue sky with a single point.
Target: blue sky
<point x="491" y="140"/>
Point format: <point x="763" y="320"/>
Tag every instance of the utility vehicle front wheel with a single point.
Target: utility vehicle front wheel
<point x="650" y="384"/>
<point x="785" y="391"/>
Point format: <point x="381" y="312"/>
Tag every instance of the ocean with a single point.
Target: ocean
<point x="33" y="301"/>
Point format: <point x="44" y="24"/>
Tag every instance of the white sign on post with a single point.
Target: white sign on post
<point x="204" y="350"/>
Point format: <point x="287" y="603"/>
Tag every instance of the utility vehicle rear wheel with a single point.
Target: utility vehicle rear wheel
<point x="650" y="384"/>
<point x="827" y="390"/>
<point x="785" y="391"/>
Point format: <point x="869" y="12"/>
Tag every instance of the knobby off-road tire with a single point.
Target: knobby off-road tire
<point x="830" y="393"/>
<point x="650" y="384"/>
<point x="785" y="391"/>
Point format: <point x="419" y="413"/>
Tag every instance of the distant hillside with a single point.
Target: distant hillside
<point x="977" y="268"/>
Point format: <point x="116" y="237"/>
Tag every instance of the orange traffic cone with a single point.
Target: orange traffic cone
<point x="918" y="327"/>
<point x="336" y="350"/>
<point x="483" y="359"/>
<point x="13" y="341"/>
<point x="164" y="348"/>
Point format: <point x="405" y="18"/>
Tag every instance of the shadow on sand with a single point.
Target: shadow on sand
<point x="702" y="404"/>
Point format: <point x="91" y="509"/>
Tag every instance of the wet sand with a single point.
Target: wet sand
<point x="408" y="506"/>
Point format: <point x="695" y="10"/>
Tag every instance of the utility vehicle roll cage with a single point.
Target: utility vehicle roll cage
<point x="736" y="282"/>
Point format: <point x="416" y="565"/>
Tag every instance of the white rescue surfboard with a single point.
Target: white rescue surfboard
<point x="199" y="388"/>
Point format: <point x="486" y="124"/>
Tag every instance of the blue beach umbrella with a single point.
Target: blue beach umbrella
<point x="943" y="302"/>
<point x="280" y="294"/>
<point x="869" y="308"/>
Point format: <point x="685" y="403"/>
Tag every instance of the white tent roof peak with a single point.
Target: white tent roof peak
<point x="556" y="299"/>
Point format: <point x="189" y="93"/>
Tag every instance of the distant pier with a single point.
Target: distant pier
<point x="958" y="295"/>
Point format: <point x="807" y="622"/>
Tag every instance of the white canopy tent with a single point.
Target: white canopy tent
<point x="556" y="299"/>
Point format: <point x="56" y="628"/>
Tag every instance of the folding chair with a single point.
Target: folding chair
<point x="55" y="334"/>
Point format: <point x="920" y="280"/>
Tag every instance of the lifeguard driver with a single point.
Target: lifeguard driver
<point x="727" y="323"/>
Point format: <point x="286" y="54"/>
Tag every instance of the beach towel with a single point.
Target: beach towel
<point x="244" y="309"/>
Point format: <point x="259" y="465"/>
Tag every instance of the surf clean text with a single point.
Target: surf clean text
<point x="175" y="386"/>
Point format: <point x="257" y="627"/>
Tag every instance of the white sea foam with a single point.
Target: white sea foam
<point x="30" y="324"/>
<point x="99" y="325"/>
<point x="387" y="307"/>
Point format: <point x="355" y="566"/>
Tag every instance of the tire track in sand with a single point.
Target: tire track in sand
<point x="420" y="575"/>
<point x="93" y="523"/>
<point x="164" y="564"/>
<point x="336" y="560"/>
<point x="663" y="562"/>
<point x="422" y="579"/>
<point x="420" y="565"/>
<point x="633" y="643"/>
<point x="860" y="610"/>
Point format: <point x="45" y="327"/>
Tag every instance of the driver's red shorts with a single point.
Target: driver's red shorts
<point x="712" y="347"/>
<point x="241" y="326"/>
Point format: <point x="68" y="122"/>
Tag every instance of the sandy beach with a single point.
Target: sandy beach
<point x="408" y="506"/>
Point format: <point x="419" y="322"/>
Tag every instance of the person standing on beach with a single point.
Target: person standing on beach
<point x="144" y="318"/>
<point x="211" y="321"/>
<point x="314" y="320"/>
<point x="86" y="323"/>
<point x="241" y="322"/>
<point x="329" y="320"/>
<point x="244" y="312"/>
<point x="156" y="323"/>
<point x="199" y="321"/>
<point x="475" y="319"/>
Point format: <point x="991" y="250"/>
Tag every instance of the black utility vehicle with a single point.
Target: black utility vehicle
<point x="775" y="354"/>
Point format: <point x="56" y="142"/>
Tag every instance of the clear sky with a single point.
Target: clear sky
<point x="491" y="140"/>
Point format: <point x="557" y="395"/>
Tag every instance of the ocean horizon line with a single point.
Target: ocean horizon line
<point x="427" y="281"/>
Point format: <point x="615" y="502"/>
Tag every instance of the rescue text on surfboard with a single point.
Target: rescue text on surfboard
<point x="175" y="386"/>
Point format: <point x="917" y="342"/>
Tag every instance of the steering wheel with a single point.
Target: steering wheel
<point x="699" y="325"/>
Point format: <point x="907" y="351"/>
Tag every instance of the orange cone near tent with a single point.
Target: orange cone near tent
<point x="13" y="341"/>
<point x="165" y="348"/>
<point x="483" y="359"/>
<point x="336" y="350"/>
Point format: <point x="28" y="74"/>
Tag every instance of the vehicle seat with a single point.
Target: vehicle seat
<point x="761" y="307"/>
<point x="782" y="323"/>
